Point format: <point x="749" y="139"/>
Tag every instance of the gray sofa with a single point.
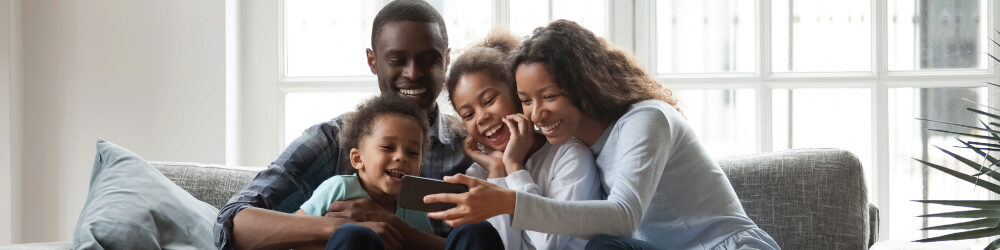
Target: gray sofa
<point x="804" y="198"/>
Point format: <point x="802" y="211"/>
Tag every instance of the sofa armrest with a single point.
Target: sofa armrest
<point x="872" y="224"/>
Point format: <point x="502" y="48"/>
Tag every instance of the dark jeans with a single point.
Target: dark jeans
<point x="481" y="235"/>
<point x="616" y="242"/>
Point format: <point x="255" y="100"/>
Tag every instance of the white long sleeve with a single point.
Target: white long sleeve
<point x="567" y="173"/>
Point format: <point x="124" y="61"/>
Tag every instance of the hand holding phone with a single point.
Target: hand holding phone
<point x="411" y="194"/>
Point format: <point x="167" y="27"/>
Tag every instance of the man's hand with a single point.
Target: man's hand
<point x="361" y="210"/>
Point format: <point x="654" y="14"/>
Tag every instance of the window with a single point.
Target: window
<point x="752" y="76"/>
<point x="816" y="75"/>
<point x="322" y="69"/>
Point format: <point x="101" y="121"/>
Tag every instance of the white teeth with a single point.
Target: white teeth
<point x="394" y="173"/>
<point x="549" y="128"/>
<point x="413" y="91"/>
<point x="493" y="131"/>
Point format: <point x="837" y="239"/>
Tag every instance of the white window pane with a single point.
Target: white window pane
<point x="909" y="139"/>
<point x="526" y="15"/>
<point x="937" y="34"/>
<point x="723" y="119"/>
<point x="825" y="118"/>
<point x="302" y="110"/>
<point x="821" y="36"/>
<point x="468" y="22"/>
<point x="705" y="36"/>
<point x="592" y="14"/>
<point x="315" y="33"/>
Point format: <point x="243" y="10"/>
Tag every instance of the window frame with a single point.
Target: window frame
<point x="878" y="80"/>
<point x="631" y="24"/>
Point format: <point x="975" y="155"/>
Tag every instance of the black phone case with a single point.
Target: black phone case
<point x="411" y="194"/>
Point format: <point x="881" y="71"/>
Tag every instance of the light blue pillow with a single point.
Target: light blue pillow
<point x="131" y="205"/>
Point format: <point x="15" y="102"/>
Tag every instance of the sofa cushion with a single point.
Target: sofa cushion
<point x="804" y="198"/>
<point x="131" y="205"/>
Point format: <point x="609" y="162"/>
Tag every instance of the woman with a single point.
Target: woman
<point x="664" y="190"/>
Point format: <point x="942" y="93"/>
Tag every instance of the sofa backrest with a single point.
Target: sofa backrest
<point x="804" y="198"/>
<point x="213" y="184"/>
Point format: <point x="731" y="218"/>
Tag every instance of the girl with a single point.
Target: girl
<point x="512" y="154"/>
<point x="664" y="190"/>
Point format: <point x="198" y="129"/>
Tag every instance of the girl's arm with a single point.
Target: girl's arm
<point x="573" y="176"/>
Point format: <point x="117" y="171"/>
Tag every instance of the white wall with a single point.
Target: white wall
<point x="148" y="75"/>
<point x="5" y="127"/>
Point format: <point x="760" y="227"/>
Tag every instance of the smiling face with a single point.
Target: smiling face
<point x="546" y="104"/>
<point x="481" y="102"/>
<point x="409" y="59"/>
<point x="391" y="150"/>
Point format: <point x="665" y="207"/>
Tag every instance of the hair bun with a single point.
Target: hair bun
<point x="501" y="39"/>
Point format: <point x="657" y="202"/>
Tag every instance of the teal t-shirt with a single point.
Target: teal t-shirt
<point x="346" y="187"/>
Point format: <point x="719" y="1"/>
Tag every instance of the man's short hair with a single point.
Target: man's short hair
<point x="408" y="10"/>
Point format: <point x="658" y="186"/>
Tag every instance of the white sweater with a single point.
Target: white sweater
<point x="566" y="173"/>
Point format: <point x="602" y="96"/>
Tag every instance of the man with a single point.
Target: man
<point x="409" y="55"/>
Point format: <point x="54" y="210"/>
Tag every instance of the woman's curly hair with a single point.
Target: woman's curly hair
<point x="491" y="57"/>
<point x="600" y="79"/>
<point x="360" y="124"/>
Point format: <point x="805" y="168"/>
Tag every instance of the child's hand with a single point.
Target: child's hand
<point x="522" y="136"/>
<point x="491" y="161"/>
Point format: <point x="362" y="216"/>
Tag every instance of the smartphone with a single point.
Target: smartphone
<point x="411" y="194"/>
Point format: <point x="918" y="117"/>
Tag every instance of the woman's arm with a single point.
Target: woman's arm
<point x="645" y="143"/>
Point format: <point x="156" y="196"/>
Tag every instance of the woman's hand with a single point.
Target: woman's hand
<point x="491" y="161"/>
<point x="522" y="137"/>
<point x="484" y="200"/>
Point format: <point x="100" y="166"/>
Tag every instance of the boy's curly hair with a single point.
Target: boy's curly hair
<point x="359" y="124"/>
<point x="491" y="57"/>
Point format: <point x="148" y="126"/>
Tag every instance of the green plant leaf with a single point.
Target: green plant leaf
<point x="981" y="223"/>
<point x="992" y="132"/>
<point x="965" y="203"/>
<point x="973" y="234"/>
<point x="994" y="58"/>
<point x="993" y="245"/>
<point x="970" y="163"/>
<point x="975" y="181"/>
<point x="958" y="125"/>
<point x="980" y="213"/>
<point x="983" y="113"/>
<point x="963" y="134"/>
<point x="987" y="145"/>
<point x="993" y="161"/>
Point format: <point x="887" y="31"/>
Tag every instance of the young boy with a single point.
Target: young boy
<point x="387" y="137"/>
